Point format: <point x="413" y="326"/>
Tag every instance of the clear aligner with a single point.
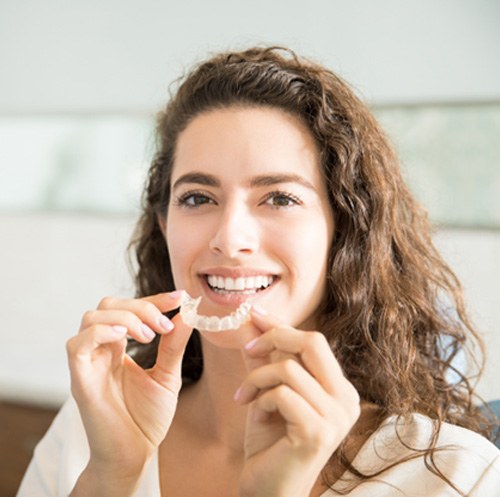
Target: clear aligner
<point x="190" y="316"/>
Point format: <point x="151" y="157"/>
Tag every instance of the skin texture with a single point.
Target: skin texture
<point x="272" y="401"/>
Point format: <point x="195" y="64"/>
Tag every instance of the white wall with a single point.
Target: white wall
<point x="120" y="55"/>
<point x="99" y="56"/>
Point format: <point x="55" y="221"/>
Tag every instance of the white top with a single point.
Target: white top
<point x="470" y="461"/>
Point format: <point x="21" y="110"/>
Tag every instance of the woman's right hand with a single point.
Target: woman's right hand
<point x="125" y="409"/>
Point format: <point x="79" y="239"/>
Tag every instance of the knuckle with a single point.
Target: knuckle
<point x="355" y="404"/>
<point x="106" y="303"/>
<point x="317" y="339"/>
<point x="150" y="310"/>
<point x="70" y="346"/>
<point x="318" y="437"/>
<point x="282" y="392"/>
<point x="289" y="367"/>
<point x="88" y="317"/>
<point x="327" y="437"/>
<point x="272" y="333"/>
<point x="73" y="347"/>
<point x="353" y="396"/>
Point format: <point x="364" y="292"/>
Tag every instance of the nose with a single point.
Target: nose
<point x="236" y="233"/>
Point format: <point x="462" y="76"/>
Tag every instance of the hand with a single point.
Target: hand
<point x="126" y="410"/>
<point x="301" y="407"/>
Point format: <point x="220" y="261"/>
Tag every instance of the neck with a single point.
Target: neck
<point x="214" y="415"/>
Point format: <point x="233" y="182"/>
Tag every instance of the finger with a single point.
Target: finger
<point x="167" y="301"/>
<point x="171" y="350"/>
<point x="303" y="423"/>
<point x="304" y="426"/>
<point x="311" y="347"/>
<point x="107" y="343"/>
<point x="85" y="343"/>
<point x="263" y="320"/>
<point x="289" y="373"/>
<point x="252" y="331"/>
<point x="149" y="309"/>
<point x="136" y="328"/>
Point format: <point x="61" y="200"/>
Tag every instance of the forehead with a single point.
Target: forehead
<point x="239" y="141"/>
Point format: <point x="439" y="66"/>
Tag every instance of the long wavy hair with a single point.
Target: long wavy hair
<point x="386" y="310"/>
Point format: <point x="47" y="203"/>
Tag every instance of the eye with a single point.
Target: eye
<point x="193" y="199"/>
<point x="282" y="199"/>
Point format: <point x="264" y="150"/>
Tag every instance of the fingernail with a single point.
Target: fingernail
<point x="237" y="394"/>
<point x="251" y="344"/>
<point x="259" y="310"/>
<point x="166" y="324"/>
<point x="120" y="329"/>
<point x="176" y="295"/>
<point x="147" y="331"/>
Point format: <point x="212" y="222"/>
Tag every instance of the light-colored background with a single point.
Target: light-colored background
<point x="110" y="57"/>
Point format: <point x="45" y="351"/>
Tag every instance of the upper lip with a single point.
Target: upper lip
<point x="240" y="272"/>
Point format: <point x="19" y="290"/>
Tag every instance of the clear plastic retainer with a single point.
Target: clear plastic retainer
<point x="190" y="316"/>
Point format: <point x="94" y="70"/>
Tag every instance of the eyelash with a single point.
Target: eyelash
<point x="288" y="196"/>
<point x="183" y="200"/>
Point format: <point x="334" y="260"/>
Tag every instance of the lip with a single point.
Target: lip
<point x="233" y="272"/>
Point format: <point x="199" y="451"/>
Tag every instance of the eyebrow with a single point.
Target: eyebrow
<point x="256" y="181"/>
<point x="275" y="179"/>
<point x="197" y="178"/>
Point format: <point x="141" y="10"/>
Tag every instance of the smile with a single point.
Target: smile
<point x="245" y="285"/>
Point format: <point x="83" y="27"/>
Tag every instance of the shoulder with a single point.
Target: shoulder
<point x="417" y="431"/>
<point x="59" y="457"/>
<point x="394" y="452"/>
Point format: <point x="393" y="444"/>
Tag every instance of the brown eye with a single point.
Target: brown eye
<point x="282" y="199"/>
<point x="194" y="199"/>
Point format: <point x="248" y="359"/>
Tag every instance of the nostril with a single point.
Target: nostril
<point x="234" y="238"/>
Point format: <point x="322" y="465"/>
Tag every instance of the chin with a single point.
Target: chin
<point x="231" y="339"/>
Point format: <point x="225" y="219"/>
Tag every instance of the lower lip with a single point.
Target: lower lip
<point x="233" y="299"/>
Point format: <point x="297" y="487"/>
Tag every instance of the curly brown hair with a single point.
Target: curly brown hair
<point x="388" y="289"/>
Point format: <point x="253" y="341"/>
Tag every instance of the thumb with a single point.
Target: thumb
<point x="171" y="349"/>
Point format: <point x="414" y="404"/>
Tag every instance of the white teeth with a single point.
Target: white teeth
<point x="190" y="316"/>
<point x="229" y="284"/>
<point x="252" y="283"/>
<point x="239" y="284"/>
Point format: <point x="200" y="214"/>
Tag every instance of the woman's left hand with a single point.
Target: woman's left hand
<point x="301" y="407"/>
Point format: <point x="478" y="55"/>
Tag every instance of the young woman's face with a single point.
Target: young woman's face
<point x="249" y="216"/>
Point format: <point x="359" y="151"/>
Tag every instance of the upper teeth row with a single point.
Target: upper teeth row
<point x="249" y="283"/>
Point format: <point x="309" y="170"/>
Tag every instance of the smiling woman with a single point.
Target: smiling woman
<point x="273" y="187"/>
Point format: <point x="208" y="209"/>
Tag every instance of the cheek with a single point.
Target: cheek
<point x="181" y="243"/>
<point x="305" y="247"/>
<point x="315" y="248"/>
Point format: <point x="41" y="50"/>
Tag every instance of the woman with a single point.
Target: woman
<point x="273" y="185"/>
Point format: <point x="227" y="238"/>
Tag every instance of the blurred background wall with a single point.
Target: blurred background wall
<point x="93" y="61"/>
